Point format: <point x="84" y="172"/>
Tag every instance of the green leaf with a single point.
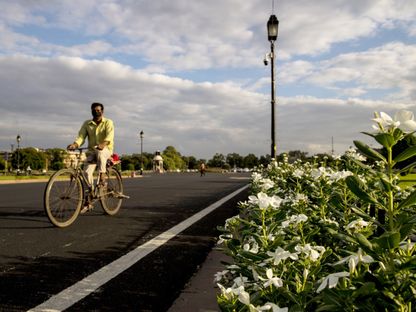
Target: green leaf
<point x="406" y="154"/>
<point x="388" y="240"/>
<point x="408" y="167"/>
<point x="368" y="151"/>
<point x="250" y="255"/>
<point x="364" y="242"/>
<point x="386" y="184"/>
<point x="365" y="290"/>
<point x="369" y="134"/>
<point x="385" y="139"/>
<point x="355" y="185"/>
<point x="410" y="200"/>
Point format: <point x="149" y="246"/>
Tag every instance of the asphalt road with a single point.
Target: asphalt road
<point x="38" y="260"/>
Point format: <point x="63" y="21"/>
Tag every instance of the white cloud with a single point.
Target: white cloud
<point x="58" y="57"/>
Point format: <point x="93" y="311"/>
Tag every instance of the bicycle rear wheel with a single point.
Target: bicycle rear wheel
<point x="63" y="197"/>
<point x="111" y="194"/>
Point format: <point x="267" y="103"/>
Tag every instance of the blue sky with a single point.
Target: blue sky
<point x="191" y="74"/>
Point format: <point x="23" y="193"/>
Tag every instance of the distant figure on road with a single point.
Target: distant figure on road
<point x="202" y="169"/>
<point x="29" y="170"/>
<point x="100" y="134"/>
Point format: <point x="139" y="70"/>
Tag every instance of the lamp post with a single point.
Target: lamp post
<point x="141" y="152"/>
<point x="18" y="138"/>
<point x="272" y="30"/>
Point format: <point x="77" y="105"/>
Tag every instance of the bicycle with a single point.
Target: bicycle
<point x="68" y="189"/>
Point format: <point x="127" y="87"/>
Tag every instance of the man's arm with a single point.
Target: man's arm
<point x="82" y="134"/>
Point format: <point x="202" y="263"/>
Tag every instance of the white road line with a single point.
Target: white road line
<point x="88" y="285"/>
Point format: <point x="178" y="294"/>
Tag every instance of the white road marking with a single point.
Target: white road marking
<point x="89" y="284"/>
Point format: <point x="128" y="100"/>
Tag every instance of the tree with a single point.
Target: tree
<point x="192" y="162"/>
<point x="295" y="155"/>
<point x="55" y="158"/>
<point x="234" y="160"/>
<point x="172" y="159"/>
<point x="28" y="157"/>
<point x="250" y="161"/>
<point x="217" y="161"/>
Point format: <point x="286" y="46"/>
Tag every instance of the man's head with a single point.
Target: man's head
<point x="97" y="110"/>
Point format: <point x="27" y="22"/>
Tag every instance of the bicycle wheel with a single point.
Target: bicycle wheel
<point x="63" y="197"/>
<point x="111" y="195"/>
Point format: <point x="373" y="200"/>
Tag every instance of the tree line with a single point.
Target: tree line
<point x="54" y="159"/>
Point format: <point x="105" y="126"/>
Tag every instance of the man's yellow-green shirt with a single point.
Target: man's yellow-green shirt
<point x="96" y="134"/>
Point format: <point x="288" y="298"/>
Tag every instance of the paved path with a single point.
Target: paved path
<point x="40" y="261"/>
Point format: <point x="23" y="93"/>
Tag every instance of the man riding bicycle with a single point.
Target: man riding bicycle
<point x="100" y="134"/>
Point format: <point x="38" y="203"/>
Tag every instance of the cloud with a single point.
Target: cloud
<point x="190" y="73"/>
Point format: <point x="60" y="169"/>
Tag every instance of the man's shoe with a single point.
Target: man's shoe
<point x="87" y="207"/>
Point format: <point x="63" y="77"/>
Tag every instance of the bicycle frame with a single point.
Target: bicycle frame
<point x="80" y="174"/>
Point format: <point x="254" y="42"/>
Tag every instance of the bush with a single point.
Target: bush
<point x="319" y="237"/>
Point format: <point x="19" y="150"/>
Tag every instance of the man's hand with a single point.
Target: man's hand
<point x="72" y="146"/>
<point x="101" y="146"/>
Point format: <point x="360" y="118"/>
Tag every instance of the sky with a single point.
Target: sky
<point x="190" y="73"/>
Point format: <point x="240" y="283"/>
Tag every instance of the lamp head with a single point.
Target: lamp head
<point x="272" y="28"/>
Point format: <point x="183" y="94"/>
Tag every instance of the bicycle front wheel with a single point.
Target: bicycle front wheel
<point x="111" y="195"/>
<point x="63" y="197"/>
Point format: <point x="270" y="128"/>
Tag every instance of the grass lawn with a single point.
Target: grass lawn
<point x="22" y="177"/>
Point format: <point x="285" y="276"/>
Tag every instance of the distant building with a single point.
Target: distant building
<point x="158" y="163"/>
<point x="71" y="159"/>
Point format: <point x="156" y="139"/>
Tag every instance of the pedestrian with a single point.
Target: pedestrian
<point x="202" y="169"/>
<point x="29" y="170"/>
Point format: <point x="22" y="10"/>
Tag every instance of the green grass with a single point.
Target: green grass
<point x="15" y="177"/>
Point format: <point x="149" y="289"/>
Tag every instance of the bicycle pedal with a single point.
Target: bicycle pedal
<point x="120" y="195"/>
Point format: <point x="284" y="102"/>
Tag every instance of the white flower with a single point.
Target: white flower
<point x="264" y="201"/>
<point x="357" y="225"/>
<point x="357" y="258"/>
<point x="220" y="275"/>
<point x="331" y="280"/>
<point x="298" y="173"/>
<point x="313" y="252"/>
<point x="256" y="177"/>
<point x="296" y="219"/>
<point x="253" y="249"/>
<point x="271" y="279"/>
<point x="317" y="173"/>
<point x="243" y="296"/>
<point x="280" y="254"/>
<point x="404" y="120"/>
<point x="353" y="154"/>
<point x="329" y="221"/>
<point x="352" y="265"/>
<point x="240" y="281"/>
<point x="340" y="175"/>
<point x="228" y="293"/>
<point x="223" y="238"/>
<point x="266" y="184"/>
<point x="275" y="307"/>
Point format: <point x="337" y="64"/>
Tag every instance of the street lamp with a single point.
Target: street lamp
<point x="272" y="30"/>
<point x="141" y="152"/>
<point x="18" y="138"/>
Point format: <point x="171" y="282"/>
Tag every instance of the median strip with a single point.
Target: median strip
<point x="89" y="284"/>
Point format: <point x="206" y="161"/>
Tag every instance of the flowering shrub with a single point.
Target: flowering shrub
<point x="314" y="237"/>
